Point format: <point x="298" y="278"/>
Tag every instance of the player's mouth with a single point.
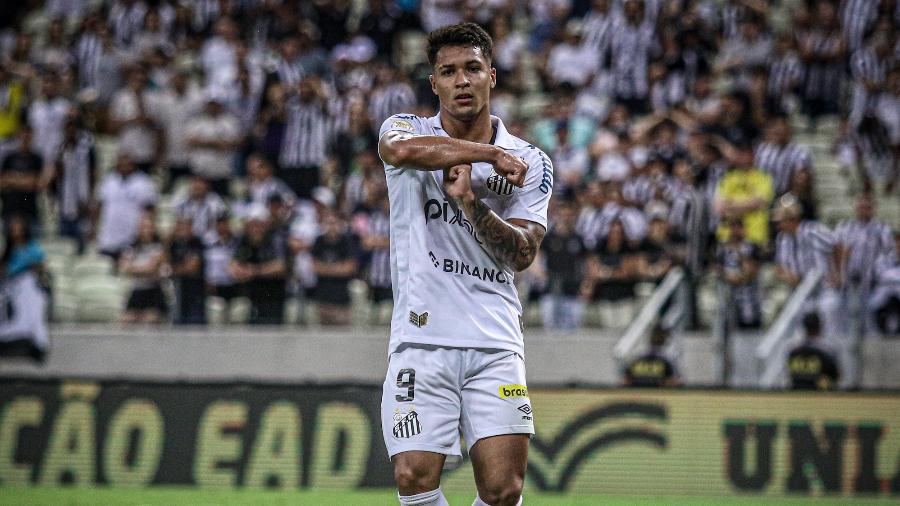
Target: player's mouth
<point x="464" y="98"/>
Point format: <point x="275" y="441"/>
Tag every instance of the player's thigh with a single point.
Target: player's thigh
<point x="420" y="403"/>
<point x="495" y="396"/>
<point x="499" y="464"/>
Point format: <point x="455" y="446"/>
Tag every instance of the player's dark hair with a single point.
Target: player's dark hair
<point x="463" y="34"/>
<point x="812" y="324"/>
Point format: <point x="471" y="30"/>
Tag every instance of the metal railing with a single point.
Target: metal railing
<point x="771" y="352"/>
<point x="630" y="342"/>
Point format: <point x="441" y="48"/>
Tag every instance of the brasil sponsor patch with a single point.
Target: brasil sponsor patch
<point x="509" y="391"/>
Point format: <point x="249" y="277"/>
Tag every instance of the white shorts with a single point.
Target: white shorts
<point x="433" y="393"/>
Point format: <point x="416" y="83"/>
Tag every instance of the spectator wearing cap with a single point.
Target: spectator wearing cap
<point x="564" y="253"/>
<point x="139" y="135"/>
<point x="654" y="369"/>
<point x="885" y="300"/>
<point x="745" y="193"/>
<point x="740" y="302"/>
<point x="261" y="266"/>
<point x="213" y="138"/>
<point x="122" y="197"/>
<point x="218" y="253"/>
<point x="811" y="365"/>
<point x="335" y="256"/>
<point x="200" y="206"/>
<point x="185" y="256"/>
<point x="143" y="262"/>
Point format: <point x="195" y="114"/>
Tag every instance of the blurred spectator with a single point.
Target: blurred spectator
<point x="260" y="265"/>
<point x="653" y="369"/>
<point x="122" y="197"/>
<point x="143" y="261"/>
<point x="12" y="103"/>
<point x="869" y="68"/>
<point x="218" y="56"/>
<point x="200" y="206"/>
<point x="861" y="243"/>
<point x="780" y="157"/>
<point x="213" y="138"/>
<point x="263" y="185"/>
<point x="885" y="301"/>
<point x="74" y="176"/>
<point x="305" y="142"/>
<point x="656" y="253"/>
<point x="357" y="139"/>
<point x="785" y="75"/>
<point x="569" y="61"/>
<point x="20" y="174"/>
<point x="219" y="247"/>
<point x="375" y="241"/>
<point x="610" y="271"/>
<point x="335" y="260"/>
<point x="21" y="251"/>
<point x="811" y="366"/>
<point x="139" y="137"/>
<point x="751" y="48"/>
<point x="822" y="49"/>
<point x="186" y="256"/>
<point x="46" y="116"/>
<point x="801" y="188"/>
<point x="740" y="303"/>
<point x="173" y="108"/>
<point x="631" y="46"/>
<point x="744" y="193"/>
<point x="570" y="163"/>
<point x="392" y="95"/>
<point x="564" y="253"/>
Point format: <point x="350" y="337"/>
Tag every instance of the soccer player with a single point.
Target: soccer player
<point x="468" y="208"/>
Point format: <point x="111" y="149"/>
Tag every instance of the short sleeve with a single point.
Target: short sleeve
<point x="530" y="202"/>
<point x="407" y="123"/>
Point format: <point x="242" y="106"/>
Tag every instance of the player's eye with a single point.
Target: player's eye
<point x="447" y="72"/>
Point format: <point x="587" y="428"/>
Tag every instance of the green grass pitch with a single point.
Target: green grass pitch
<point x="174" y="496"/>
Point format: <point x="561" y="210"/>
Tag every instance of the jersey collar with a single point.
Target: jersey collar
<point x="502" y="138"/>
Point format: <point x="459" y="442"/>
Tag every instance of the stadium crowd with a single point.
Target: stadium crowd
<point x="670" y="125"/>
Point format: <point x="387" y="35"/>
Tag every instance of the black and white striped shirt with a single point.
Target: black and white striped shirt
<point x="88" y="50"/>
<point x="395" y="98"/>
<point x="781" y="162"/>
<point x="126" y="21"/>
<point x="379" y="275"/>
<point x="630" y="50"/>
<point x="810" y="247"/>
<point x="76" y="178"/>
<point x="289" y="72"/>
<point x="306" y="136"/>
<point x="261" y="191"/>
<point x="785" y="73"/>
<point x="593" y="224"/>
<point x="867" y="241"/>
<point x="596" y="33"/>
<point x="823" y="78"/>
<point x="203" y="213"/>
<point x="857" y="17"/>
<point x="689" y="218"/>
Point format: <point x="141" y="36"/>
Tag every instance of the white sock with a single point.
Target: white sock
<point x="433" y="498"/>
<point x="479" y="502"/>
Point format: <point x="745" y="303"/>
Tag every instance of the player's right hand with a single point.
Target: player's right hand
<point x="512" y="167"/>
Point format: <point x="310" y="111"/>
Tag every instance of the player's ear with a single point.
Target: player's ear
<point x="493" y="77"/>
<point x="431" y="81"/>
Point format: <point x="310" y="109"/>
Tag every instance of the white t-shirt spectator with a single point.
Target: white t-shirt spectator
<point x="136" y="140"/>
<point x="46" y="118"/>
<point x="219" y="61"/>
<point x="173" y="112"/>
<point x="571" y="64"/>
<point x="210" y="163"/>
<point x="123" y="200"/>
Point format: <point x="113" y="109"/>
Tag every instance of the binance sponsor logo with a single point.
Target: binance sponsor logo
<point x="419" y="320"/>
<point x="509" y="391"/>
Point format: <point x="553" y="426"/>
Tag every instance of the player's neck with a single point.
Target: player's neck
<point x="478" y="129"/>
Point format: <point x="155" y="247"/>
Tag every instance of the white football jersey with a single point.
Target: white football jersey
<point x="448" y="289"/>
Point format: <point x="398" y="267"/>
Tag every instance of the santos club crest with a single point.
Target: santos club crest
<point x="498" y="184"/>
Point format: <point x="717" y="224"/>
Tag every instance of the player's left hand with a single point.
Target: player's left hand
<point x="458" y="183"/>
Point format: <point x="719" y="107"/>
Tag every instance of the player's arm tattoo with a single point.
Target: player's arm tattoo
<point x="515" y="242"/>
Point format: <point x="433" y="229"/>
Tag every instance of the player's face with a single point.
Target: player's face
<point x="462" y="80"/>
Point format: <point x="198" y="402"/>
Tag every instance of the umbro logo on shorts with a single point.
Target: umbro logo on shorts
<point x="525" y="408"/>
<point x="408" y="426"/>
<point x="419" y="320"/>
<point x="498" y="184"/>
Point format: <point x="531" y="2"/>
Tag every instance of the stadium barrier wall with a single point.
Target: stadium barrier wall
<point x="703" y="442"/>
